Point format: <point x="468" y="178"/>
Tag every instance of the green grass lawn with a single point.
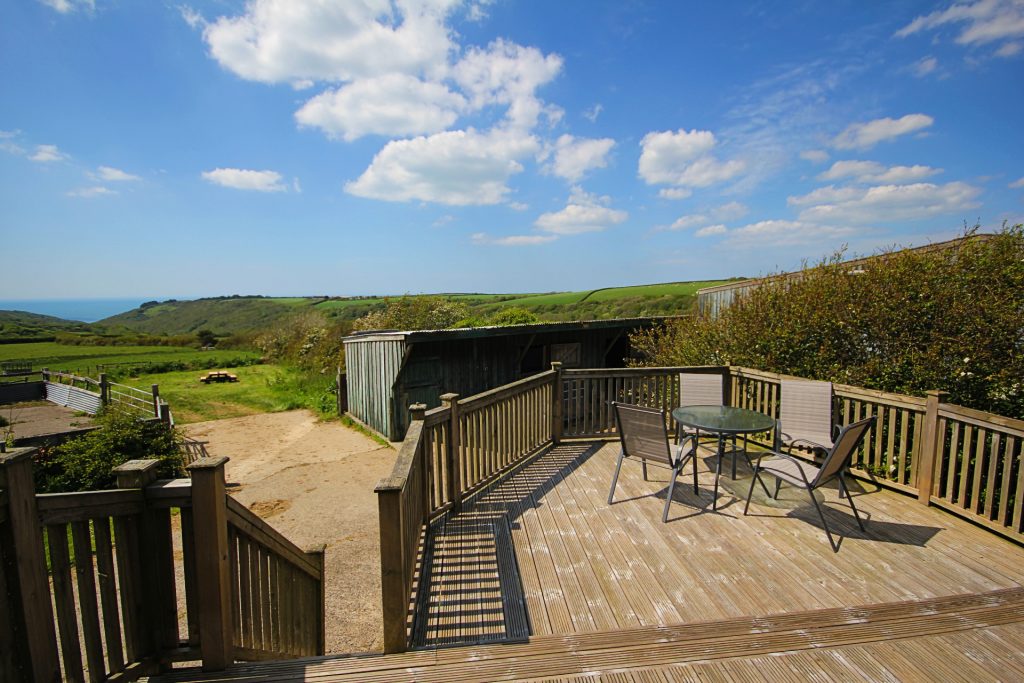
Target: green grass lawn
<point x="667" y="289"/>
<point x="86" y="359"/>
<point x="259" y="389"/>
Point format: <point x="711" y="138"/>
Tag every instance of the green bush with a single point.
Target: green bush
<point x="950" y="319"/>
<point x="84" y="463"/>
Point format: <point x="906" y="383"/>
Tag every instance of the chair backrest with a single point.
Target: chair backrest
<point x="805" y="410"/>
<point x="643" y="433"/>
<point x="700" y="389"/>
<point x="846" y="443"/>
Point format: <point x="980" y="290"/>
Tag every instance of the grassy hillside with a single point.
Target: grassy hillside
<point x="229" y="315"/>
<point x="25" y="325"/>
<point x="119" y="360"/>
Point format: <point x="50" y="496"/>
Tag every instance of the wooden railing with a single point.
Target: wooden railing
<point x="102" y="392"/>
<point x="449" y="453"/>
<point x="88" y="580"/>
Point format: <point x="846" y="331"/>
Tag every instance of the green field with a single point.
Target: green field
<point x="259" y="389"/>
<point x="86" y="360"/>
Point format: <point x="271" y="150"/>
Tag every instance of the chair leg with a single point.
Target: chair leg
<point x="693" y="455"/>
<point x="750" y="493"/>
<point x="615" y="478"/>
<point x="778" y="485"/>
<point x="849" y="499"/>
<point x="671" y="486"/>
<point x="718" y="469"/>
<point x="821" y="514"/>
<point x="643" y="466"/>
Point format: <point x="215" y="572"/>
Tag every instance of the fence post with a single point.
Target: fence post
<point x="451" y="455"/>
<point x="30" y="564"/>
<point x="931" y="446"/>
<point x="213" y="574"/>
<point x="104" y="389"/>
<point x="156" y="400"/>
<point x="556" y="404"/>
<point x="316" y="556"/>
<point x="165" y="413"/>
<point x="159" y="606"/>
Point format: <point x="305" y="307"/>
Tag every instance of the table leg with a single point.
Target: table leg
<point x="718" y="468"/>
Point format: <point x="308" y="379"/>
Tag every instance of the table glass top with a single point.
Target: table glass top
<point x="723" y="419"/>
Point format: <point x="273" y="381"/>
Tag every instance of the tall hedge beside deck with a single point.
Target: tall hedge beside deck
<point x="950" y="319"/>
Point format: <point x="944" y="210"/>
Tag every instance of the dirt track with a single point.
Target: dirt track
<point x="314" y="483"/>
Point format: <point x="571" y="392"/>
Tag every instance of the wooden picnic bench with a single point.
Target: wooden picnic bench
<point x="218" y="376"/>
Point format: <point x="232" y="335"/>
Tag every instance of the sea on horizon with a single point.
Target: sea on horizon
<point x="83" y="310"/>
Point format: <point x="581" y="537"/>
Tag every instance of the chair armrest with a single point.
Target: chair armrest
<point x="786" y="456"/>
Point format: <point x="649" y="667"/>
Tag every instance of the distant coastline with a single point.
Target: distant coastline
<point x="84" y="310"/>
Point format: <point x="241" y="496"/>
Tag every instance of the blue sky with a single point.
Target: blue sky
<point x="293" y="147"/>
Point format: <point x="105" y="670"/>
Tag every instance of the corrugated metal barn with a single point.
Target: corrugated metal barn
<point x="387" y="371"/>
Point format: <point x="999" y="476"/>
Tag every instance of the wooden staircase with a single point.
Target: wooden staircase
<point x="969" y="637"/>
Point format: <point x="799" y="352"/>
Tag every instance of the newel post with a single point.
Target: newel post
<point x="39" y="635"/>
<point x="104" y="389"/>
<point x="556" y="404"/>
<point x="452" y="464"/>
<point x="930" y="449"/>
<point x="156" y="400"/>
<point x="213" y="573"/>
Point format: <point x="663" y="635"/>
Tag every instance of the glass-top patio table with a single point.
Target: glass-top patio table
<point x="723" y="421"/>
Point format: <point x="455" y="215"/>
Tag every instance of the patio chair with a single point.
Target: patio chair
<point x="785" y="467"/>
<point x="805" y="415"/>
<point x="644" y="436"/>
<point x="699" y="389"/>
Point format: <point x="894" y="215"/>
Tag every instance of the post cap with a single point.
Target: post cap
<point x="211" y="463"/>
<point x="449" y="398"/>
<point x="416" y="410"/>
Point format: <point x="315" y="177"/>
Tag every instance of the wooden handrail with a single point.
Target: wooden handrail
<point x="258" y="530"/>
<point x="489" y="398"/>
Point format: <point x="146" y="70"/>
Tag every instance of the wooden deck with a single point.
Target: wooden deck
<point x="587" y="591"/>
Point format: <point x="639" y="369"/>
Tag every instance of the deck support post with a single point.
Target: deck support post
<point x="454" y="467"/>
<point x="931" y="446"/>
<point x="213" y="573"/>
<point x="556" y="404"/>
<point x="39" y="637"/>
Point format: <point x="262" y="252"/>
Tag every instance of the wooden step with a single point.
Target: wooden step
<point x="640" y="648"/>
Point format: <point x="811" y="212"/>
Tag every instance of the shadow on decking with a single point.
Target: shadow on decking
<point x="471" y="591"/>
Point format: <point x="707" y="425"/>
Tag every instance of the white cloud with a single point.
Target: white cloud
<point x="683" y="158"/>
<point x="518" y="206"/>
<point x="90" y="192"/>
<point x="874" y="172"/>
<point x="886" y="203"/>
<point x="67" y="6"/>
<point x="1010" y="49"/>
<point x="454" y="167"/>
<point x="583" y="213"/>
<point x="7" y="143"/>
<point x="711" y="230"/>
<point x="193" y="18"/>
<point x="730" y="211"/>
<point x="47" y="154"/>
<point x="780" y="233"/>
<point x="825" y="195"/>
<point x="816" y="156"/>
<point x="507" y="74"/>
<point x="674" y="193"/>
<point x="689" y="221"/>
<point x="111" y="174"/>
<point x="477" y="11"/>
<point x="867" y="135"/>
<point x="591" y="113"/>
<point x="573" y="157"/>
<point x="924" y="66"/>
<point x="1017" y="183"/>
<point x="725" y="212"/>
<point x="288" y="41"/>
<point x="483" y="238"/>
<point x="393" y="105"/>
<point x="243" y="179"/>
<point x="985" y="21"/>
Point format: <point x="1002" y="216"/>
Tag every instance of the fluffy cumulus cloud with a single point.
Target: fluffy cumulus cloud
<point x="674" y="193"/>
<point x="683" y="159"/>
<point x="1019" y="183"/>
<point x="111" y="174"/>
<point x="295" y="41"/>
<point x="711" y="230"/>
<point x="393" y="105"/>
<point x="507" y="74"/>
<point x="981" y="22"/>
<point x="455" y="167"/>
<point x="924" y="66"/>
<point x="726" y="212"/>
<point x="571" y="158"/>
<point x="584" y="212"/>
<point x="46" y="154"/>
<point x="885" y="203"/>
<point x="867" y="135"/>
<point x="244" y="179"/>
<point x="68" y="6"/>
<point x="874" y="172"/>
